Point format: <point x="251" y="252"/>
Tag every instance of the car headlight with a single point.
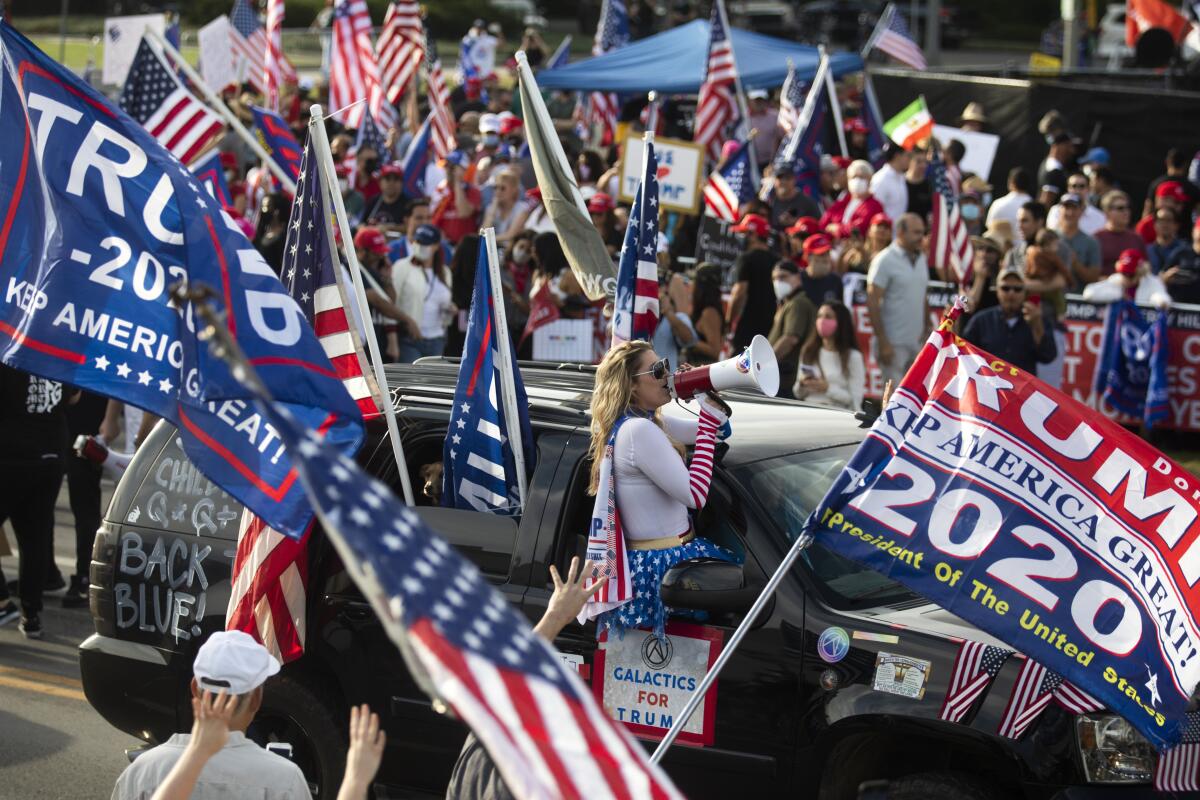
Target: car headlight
<point x="1113" y="751"/>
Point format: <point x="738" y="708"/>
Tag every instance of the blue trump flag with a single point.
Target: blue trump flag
<point x="276" y="138"/>
<point x="416" y="161"/>
<point x="1132" y="373"/>
<point x="479" y="468"/>
<point x="876" y="138"/>
<point x="802" y="150"/>
<point x="212" y="177"/>
<point x="99" y="220"/>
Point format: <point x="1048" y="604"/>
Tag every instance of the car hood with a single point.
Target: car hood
<point x="927" y="618"/>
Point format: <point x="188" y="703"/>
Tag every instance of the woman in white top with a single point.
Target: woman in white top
<point x="504" y="209"/>
<point x="832" y="372"/>
<point x="422" y="286"/>
<point x="645" y="486"/>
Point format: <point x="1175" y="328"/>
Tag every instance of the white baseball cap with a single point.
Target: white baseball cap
<point x="233" y="661"/>
<point x="757" y="94"/>
<point x="489" y="123"/>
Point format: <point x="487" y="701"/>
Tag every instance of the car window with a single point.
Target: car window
<point x="175" y="496"/>
<point x="787" y="489"/>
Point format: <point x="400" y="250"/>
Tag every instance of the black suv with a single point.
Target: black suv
<point x="800" y="710"/>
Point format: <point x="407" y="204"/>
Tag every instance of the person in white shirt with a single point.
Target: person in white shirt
<point x="832" y="371"/>
<point x="1020" y="192"/>
<point x="889" y="184"/>
<point x="233" y="662"/>
<point x="1091" y="219"/>
<point x="1131" y="280"/>
<point x="422" y="286"/>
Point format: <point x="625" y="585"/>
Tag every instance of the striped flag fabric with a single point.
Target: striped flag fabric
<point x="1178" y="769"/>
<point x="612" y="33"/>
<point x="791" y="101"/>
<point x="717" y="106"/>
<point x="401" y="46"/>
<point x="635" y="314"/>
<point x="154" y="96"/>
<point x="267" y="594"/>
<point x="273" y="55"/>
<point x="353" y="70"/>
<point x="950" y="248"/>
<point x="730" y="186"/>
<point x="441" y="134"/>
<point x="891" y="35"/>
<point x="1076" y="700"/>
<point x="1031" y="694"/>
<point x="248" y="40"/>
<point x="974" y="668"/>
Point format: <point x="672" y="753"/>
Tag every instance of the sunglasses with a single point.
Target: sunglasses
<point x="1012" y="288"/>
<point x="658" y="370"/>
<point x="1118" y="208"/>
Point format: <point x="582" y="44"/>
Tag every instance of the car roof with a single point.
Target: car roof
<point x="561" y="394"/>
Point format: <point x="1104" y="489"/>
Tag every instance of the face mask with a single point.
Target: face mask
<point x="826" y="327"/>
<point x="520" y="255"/>
<point x="969" y="211"/>
<point x="858" y="186"/>
<point x="490" y="140"/>
<point x="422" y="252"/>
<point x="782" y="289"/>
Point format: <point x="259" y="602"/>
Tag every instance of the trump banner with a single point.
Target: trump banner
<point x="1037" y="520"/>
<point x="99" y="220"/>
<point x="1131" y="375"/>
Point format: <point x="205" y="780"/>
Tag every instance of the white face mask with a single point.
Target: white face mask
<point x="858" y="186"/>
<point x="782" y="289"/>
<point x="422" y="252"/>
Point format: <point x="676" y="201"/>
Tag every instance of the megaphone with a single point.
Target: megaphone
<point x="755" y="368"/>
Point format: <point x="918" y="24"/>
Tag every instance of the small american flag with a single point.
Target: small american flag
<point x="267" y="588"/>
<point x="353" y="71"/>
<point x="369" y="134"/>
<point x="730" y="186"/>
<point x="465" y="644"/>
<point x="791" y="101"/>
<point x="717" y="107"/>
<point x="892" y="37"/>
<point x="441" y="134"/>
<point x="1031" y="694"/>
<point x="480" y="468"/>
<point x="401" y="47"/>
<point x="611" y="33"/>
<point x="1179" y="768"/>
<point x="975" y="667"/>
<point x="636" y="308"/>
<point x="248" y="40"/>
<point x="950" y="246"/>
<point x="273" y="55"/>
<point x="155" y="98"/>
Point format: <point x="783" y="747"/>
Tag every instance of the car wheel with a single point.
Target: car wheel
<point x="299" y="714"/>
<point x="940" y="786"/>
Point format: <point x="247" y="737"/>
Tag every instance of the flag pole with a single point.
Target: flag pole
<point x="743" y="106"/>
<point x="325" y="169"/>
<point x="223" y="110"/>
<point x="508" y="389"/>
<point x="870" y="45"/>
<point x="833" y="99"/>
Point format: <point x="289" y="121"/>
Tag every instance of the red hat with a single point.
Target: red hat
<point x="509" y="122"/>
<point x="881" y="219"/>
<point x="372" y="240"/>
<point x="816" y="244"/>
<point x="841" y="162"/>
<point x="855" y="125"/>
<point x="228" y="160"/>
<point x="599" y="203"/>
<point x="391" y="169"/>
<point x="1173" y="190"/>
<point x="805" y="226"/>
<point x="1129" y="262"/>
<point x="753" y="223"/>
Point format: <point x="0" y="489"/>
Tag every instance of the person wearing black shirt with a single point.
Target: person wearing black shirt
<point x="920" y="191"/>
<point x="1182" y="273"/>
<point x="1015" y="330"/>
<point x="787" y="203"/>
<point x="820" y="283"/>
<point x="387" y="211"/>
<point x="83" y="490"/>
<point x="33" y="448"/>
<point x="752" y="301"/>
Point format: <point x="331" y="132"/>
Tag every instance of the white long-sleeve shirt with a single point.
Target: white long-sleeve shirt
<point x="845" y="390"/>
<point x="891" y="190"/>
<point x="1150" y="291"/>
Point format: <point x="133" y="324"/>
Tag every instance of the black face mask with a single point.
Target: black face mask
<point x="371" y="165"/>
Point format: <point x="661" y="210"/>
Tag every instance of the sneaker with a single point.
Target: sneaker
<point x="76" y="595"/>
<point x="54" y="582"/>
<point x="9" y="612"/>
<point x="31" y="626"/>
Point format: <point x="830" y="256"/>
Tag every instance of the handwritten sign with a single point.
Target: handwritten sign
<point x="680" y="169"/>
<point x="717" y="244"/>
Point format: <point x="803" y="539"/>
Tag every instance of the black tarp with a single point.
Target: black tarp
<point x="1136" y="124"/>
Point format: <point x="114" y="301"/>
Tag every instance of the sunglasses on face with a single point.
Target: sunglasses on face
<point x="1012" y="288"/>
<point x="1118" y="208"/>
<point x="658" y="370"/>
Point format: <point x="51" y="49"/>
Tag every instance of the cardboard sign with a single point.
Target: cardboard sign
<point x="644" y="683"/>
<point x="216" y="66"/>
<point x="121" y="38"/>
<point x="981" y="148"/>
<point x="718" y="245"/>
<point x="564" y="340"/>
<point x="680" y="169"/>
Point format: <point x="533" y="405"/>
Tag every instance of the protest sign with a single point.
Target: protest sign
<point x="980" y="152"/>
<point x="121" y="38"/>
<point x="717" y="244"/>
<point x="680" y="171"/>
<point x="219" y="63"/>
<point x="1095" y="574"/>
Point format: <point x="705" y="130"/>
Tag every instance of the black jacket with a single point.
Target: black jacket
<point x="990" y="330"/>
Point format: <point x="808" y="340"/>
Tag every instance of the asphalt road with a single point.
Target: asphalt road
<point x="52" y="744"/>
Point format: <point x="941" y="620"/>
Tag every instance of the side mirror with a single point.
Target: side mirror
<point x="706" y="584"/>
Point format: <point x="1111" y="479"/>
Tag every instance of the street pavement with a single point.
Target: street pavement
<point x="52" y="744"/>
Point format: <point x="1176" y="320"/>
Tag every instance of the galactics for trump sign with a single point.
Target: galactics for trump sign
<point x="1036" y="519"/>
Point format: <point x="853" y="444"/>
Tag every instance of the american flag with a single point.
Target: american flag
<point x="950" y="246"/>
<point x="730" y="186"/>
<point x="155" y="98"/>
<point x="635" y="315"/>
<point x="267" y="595"/>
<point x="401" y="47"/>
<point x="441" y="134"/>
<point x="1179" y="768"/>
<point x="717" y="106"/>
<point x="791" y="101"/>
<point x="1036" y="686"/>
<point x="368" y="134"/>
<point x="611" y="33"/>
<point x="802" y="150"/>
<point x="974" y="668"/>
<point x="273" y="56"/>
<point x="891" y="35"/>
<point x="465" y="644"/>
<point x="480" y="468"/>
<point x="353" y="71"/>
<point x="248" y="40"/>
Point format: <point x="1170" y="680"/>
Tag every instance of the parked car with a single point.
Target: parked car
<point x="801" y="709"/>
<point x="850" y="22"/>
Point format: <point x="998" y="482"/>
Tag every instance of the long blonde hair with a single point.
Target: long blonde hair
<point x="612" y="397"/>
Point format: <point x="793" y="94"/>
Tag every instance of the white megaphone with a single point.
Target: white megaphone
<point x="755" y="368"/>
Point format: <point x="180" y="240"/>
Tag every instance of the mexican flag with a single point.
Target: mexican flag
<point x="911" y="125"/>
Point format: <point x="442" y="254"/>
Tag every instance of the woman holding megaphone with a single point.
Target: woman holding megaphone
<point x="644" y="487"/>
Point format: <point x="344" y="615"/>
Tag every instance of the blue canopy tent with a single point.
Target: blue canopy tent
<point x="672" y="62"/>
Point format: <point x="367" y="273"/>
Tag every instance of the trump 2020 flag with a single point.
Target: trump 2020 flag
<point x="1132" y="373"/>
<point x="636" y="312"/>
<point x="1034" y="518"/>
<point x="803" y="149"/>
<point x="416" y="161"/>
<point x="479" y="470"/>
<point x="276" y="138"/>
<point x="100" y="221"/>
<point x="211" y="174"/>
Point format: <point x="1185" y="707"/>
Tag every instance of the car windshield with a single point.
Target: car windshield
<point x="788" y="488"/>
